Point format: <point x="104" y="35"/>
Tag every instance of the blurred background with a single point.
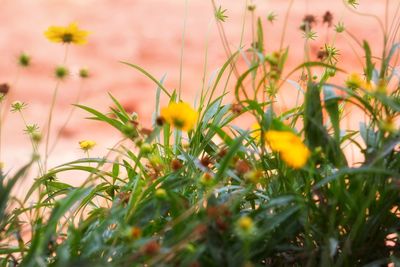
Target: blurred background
<point x="148" y="33"/>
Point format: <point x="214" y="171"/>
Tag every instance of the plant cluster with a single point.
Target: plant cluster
<point x="197" y="190"/>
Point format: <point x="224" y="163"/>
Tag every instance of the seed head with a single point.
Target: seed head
<point x="4" y="89"/>
<point x="84" y="73"/>
<point x="327" y="18"/>
<point x="61" y="72"/>
<point x="24" y="60"/>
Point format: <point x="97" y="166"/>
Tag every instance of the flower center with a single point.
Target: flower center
<point x="179" y="123"/>
<point x="67" y="37"/>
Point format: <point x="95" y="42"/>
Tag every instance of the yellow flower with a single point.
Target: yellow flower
<point x="69" y="34"/>
<point x="181" y="115"/>
<point x="289" y="146"/>
<point x="87" y="145"/>
<point x="354" y="80"/>
<point x="245" y="225"/>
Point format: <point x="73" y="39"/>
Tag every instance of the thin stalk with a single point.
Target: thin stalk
<point x="182" y="50"/>
<point x="77" y="100"/>
<point x="49" y="120"/>
<point x="53" y="101"/>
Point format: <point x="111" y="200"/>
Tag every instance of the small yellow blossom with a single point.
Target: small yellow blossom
<point x="181" y="115"/>
<point x="354" y="80"/>
<point x="87" y="145"/>
<point x="289" y="146"/>
<point x="245" y="227"/>
<point x="69" y="34"/>
<point x="161" y="193"/>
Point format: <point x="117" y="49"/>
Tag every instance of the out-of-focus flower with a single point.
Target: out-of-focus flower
<point x="354" y="80"/>
<point x="66" y="35"/>
<point x="245" y="227"/>
<point x="84" y="73"/>
<point x="290" y="147"/>
<point x="4" y="88"/>
<point x="136" y="232"/>
<point x="181" y="115"/>
<point x="24" y="60"/>
<point x="87" y="145"/>
<point x="61" y="72"/>
<point x="161" y="193"/>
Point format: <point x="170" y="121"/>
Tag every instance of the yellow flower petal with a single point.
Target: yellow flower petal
<point x="180" y="115"/>
<point x="292" y="150"/>
<point x="69" y="34"/>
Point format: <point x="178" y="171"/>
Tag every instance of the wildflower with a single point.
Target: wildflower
<point x="24" y="60"/>
<point x="181" y="115"/>
<point x="388" y="125"/>
<point x="160" y="121"/>
<point x="1" y="165"/>
<point x="308" y="22"/>
<point x="339" y="28"/>
<point x="253" y="176"/>
<point x="84" y="73"/>
<point x="271" y="17"/>
<point x="61" y="72"/>
<point x="245" y="226"/>
<point x="245" y="223"/>
<point x="236" y="108"/>
<point x="251" y="7"/>
<point x="206" y="179"/>
<point x="354" y="81"/>
<point x="136" y="232"/>
<point x="17" y="106"/>
<point x="176" y="164"/>
<point x="222" y="152"/>
<point x="66" y="35"/>
<point x="146" y="148"/>
<point x="242" y="166"/>
<point x="87" y="145"/>
<point x="220" y="14"/>
<point x="327" y="18"/>
<point x="289" y="146"/>
<point x="36" y="137"/>
<point x="353" y="3"/>
<point x="4" y="88"/>
<point x="206" y="161"/>
<point x="151" y="248"/>
<point x="161" y="193"/>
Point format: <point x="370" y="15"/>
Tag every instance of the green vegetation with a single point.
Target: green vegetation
<point x="198" y="191"/>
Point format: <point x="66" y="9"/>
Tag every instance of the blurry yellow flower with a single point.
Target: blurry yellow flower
<point x="289" y="146"/>
<point x="87" y="145"/>
<point x="255" y="131"/>
<point x="354" y="80"/>
<point x="369" y="86"/>
<point x="180" y="115"/>
<point x="69" y="34"/>
<point x="245" y="223"/>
